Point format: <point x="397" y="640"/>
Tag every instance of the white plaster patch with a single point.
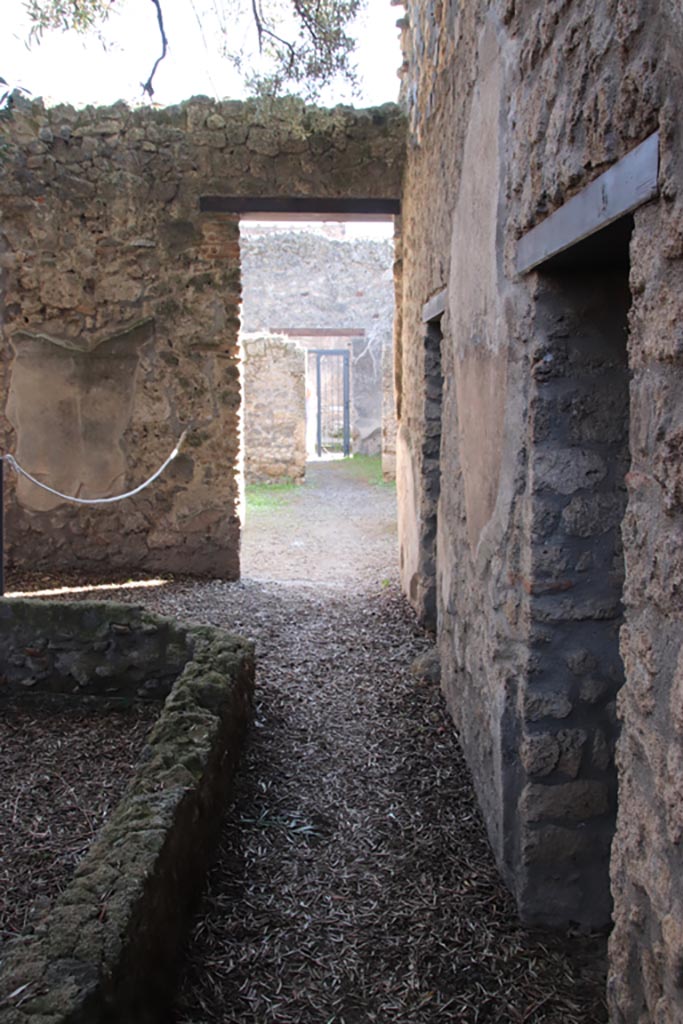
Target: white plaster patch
<point x="474" y="302"/>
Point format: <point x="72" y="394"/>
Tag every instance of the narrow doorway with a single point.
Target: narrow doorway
<point x="331" y="386"/>
<point x="431" y="466"/>
<point x="580" y="457"/>
<point x="317" y="321"/>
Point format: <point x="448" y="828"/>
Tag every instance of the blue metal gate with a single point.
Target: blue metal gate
<point x="333" y="386"/>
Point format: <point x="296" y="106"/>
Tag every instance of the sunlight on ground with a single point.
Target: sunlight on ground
<point x="56" y="591"/>
<point x="326" y="457"/>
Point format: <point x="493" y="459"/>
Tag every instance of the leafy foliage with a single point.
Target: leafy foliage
<point x="303" y="44"/>
<point x="81" y="15"/>
<point x="318" y="50"/>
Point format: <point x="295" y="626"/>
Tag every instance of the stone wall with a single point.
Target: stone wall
<point x="646" y="947"/>
<point x="109" y="947"/>
<point x="513" y="108"/>
<point x="303" y="279"/>
<point x="389" y="422"/>
<point x="88" y="649"/>
<point x="120" y="308"/>
<point x="274" y="409"/>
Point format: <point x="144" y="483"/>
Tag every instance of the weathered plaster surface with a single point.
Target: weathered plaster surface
<point x="100" y="231"/>
<point x="69" y="409"/>
<point x="513" y="108"/>
<point x="475" y="298"/>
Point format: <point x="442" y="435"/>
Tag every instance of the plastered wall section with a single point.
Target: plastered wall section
<point x="120" y="312"/>
<point x="506" y="123"/>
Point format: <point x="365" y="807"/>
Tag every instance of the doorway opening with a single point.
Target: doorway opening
<point x="580" y="432"/>
<point x="316" y="332"/>
<point x="324" y="290"/>
<point x="431" y="457"/>
<point x="328" y="371"/>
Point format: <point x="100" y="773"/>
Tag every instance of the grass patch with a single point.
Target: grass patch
<point x="268" y="497"/>
<point x="367" y="468"/>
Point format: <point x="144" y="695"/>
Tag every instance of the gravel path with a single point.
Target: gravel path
<point x="339" y="529"/>
<point x="354" y="882"/>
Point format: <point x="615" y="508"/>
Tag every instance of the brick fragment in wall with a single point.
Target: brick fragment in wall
<point x="587" y="516"/>
<point x="552" y="704"/>
<point x="540" y="753"/>
<point x="564" y="472"/>
<point x="552" y="845"/>
<point x="572" y="743"/>
<point x="574" y="801"/>
<point x="594" y="689"/>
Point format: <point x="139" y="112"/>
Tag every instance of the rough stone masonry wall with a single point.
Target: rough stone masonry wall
<point x="108" y="948"/>
<point x="274" y="409"/>
<point x="299" y="279"/>
<point x="513" y="108"/>
<point x="88" y="649"/>
<point x="120" y="312"/>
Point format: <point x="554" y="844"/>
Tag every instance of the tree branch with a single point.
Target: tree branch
<point x="263" y="30"/>
<point x="147" y="86"/>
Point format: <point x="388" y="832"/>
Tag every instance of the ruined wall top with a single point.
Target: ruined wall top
<point x="229" y="147"/>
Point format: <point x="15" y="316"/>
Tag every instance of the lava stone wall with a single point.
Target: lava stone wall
<point x="88" y="649"/>
<point x="120" y="312"/>
<point x="514" y="108"/>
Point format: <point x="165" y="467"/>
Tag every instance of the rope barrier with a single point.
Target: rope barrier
<point x="11" y="461"/>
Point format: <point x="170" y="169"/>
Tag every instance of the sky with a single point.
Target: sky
<point x="79" y="70"/>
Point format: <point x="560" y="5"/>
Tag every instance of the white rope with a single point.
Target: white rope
<point x="11" y="461"/>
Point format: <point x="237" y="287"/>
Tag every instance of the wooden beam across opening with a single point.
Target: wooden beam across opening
<point x="435" y="307"/>
<point x="631" y="182"/>
<point x="319" y="332"/>
<point x="311" y="207"/>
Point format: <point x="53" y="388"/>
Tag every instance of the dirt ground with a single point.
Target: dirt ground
<point x="338" y="528"/>
<point x="353" y="882"/>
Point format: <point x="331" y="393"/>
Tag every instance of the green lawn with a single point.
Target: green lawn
<point x="267" y="497"/>
<point x="367" y="468"/>
<point x="270" y="497"/>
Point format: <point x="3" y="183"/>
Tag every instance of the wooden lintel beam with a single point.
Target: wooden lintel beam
<point x="435" y="307"/>
<point x="629" y="183"/>
<point x="300" y="205"/>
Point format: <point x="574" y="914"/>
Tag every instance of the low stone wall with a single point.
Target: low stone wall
<point x="274" y="409"/>
<point x="108" y="948"/>
<point x="91" y="648"/>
